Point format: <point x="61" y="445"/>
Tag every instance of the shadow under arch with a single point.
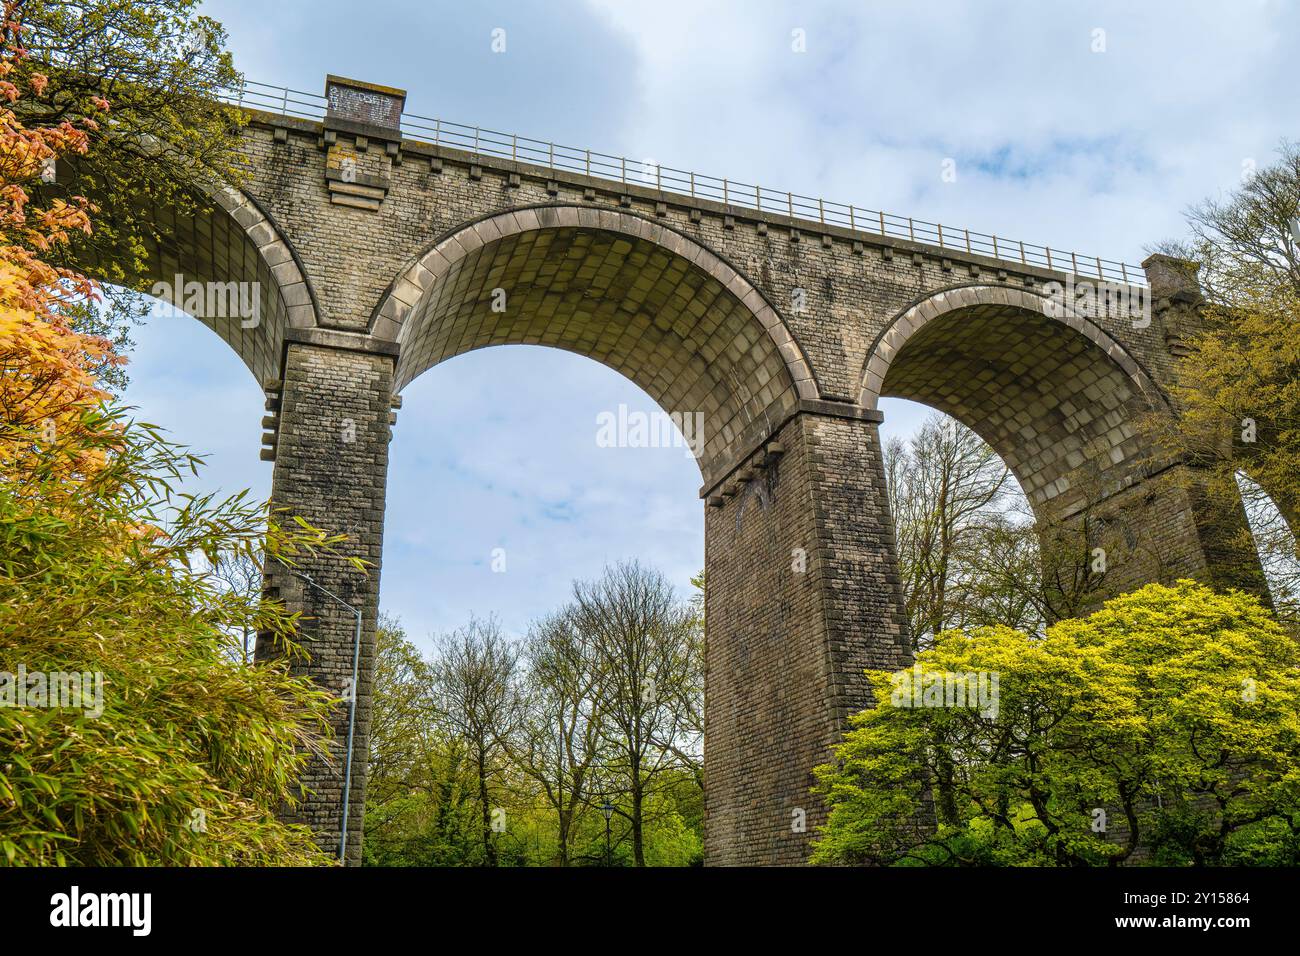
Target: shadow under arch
<point x="1057" y="397"/>
<point x="231" y="268"/>
<point x="640" y="298"/>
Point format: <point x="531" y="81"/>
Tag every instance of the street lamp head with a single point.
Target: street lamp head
<point x="608" y="809"/>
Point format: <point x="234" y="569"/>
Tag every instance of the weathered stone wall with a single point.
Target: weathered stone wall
<point x="835" y="289"/>
<point x="383" y="257"/>
<point x="802" y="597"/>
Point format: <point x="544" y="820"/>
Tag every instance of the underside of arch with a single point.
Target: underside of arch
<point x="1056" y="398"/>
<point x="645" y="301"/>
<point x="253" y="287"/>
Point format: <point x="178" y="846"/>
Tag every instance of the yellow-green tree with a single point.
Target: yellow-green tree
<point x="1167" y="722"/>
<point x="1239" y="385"/>
<point x="162" y="65"/>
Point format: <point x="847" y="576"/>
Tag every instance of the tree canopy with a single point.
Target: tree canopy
<point x="1163" y="727"/>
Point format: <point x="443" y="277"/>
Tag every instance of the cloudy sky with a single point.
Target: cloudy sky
<point x="1086" y="126"/>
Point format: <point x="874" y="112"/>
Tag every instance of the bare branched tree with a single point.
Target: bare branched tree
<point x="1248" y="244"/>
<point x="974" y="553"/>
<point x="944" y="484"/>
<point x="240" y="575"/>
<point x="1239" y="424"/>
<point x="474" y="675"/>
<point x="558" y="737"/>
<point x="1276" y="544"/>
<point x="644" y="644"/>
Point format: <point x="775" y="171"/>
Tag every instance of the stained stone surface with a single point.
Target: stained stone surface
<point x="782" y="333"/>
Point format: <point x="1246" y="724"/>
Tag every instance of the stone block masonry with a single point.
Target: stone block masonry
<point x="331" y="469"/>
<point x="802" y="597"/>
<point x="377" y="258"/>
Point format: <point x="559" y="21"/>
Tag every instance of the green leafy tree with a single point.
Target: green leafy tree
<point x="420" y="800"/>
<point x="1167" y="721"/>
<point x="401" y="715"/>
<point x="170" y="752"/>
<point x="129" y="732"/>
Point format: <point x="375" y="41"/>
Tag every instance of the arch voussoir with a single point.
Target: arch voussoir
<point x="913" y="319"/>
<point x="752" y="341"/>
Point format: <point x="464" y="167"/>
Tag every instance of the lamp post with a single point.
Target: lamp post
<point x="607" y="808"/>
<point x="352" y="703"/>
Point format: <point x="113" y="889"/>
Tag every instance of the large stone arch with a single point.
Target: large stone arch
<point x="231" y="240"/>
<point x="1064" y="404"/>
<point x="697" y="336"/>
<point x="645" y="300"/>
<point x="1050" y="390"/>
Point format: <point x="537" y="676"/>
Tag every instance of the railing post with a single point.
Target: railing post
<point x="852" y="224"/>
<point x="476" y="131"/>
<point x="821" y="210"/>
<point x="911" y="229"/>
<point x="882" y="222"/>
<point x="284" y="103"/>
<point x="692" y="185"/>
<point x="552" y="155"/>
<point x="1074" y="263"/>
<point x="659" y="177"/>
<point x="623" y="170"/>
<point x="588" y="162"/>
<point x="968" y="240"/>
<point x="789" y="204"/>
<point x="1049" y="256"/>
<point x="1023" y="260"/>
<point x="514" y="147"/>
<point x="939" y="225"/>
<point x="1123" y="270"/>
<point x="1100" y="275"/>
<point x="758" y="198"/>
<point x="437" y="132"/>
<point x="995" y="248"/>
<point x="725" y="199"/>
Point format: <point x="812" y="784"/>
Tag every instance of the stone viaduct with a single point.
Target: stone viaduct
<point x="376" y="254"/>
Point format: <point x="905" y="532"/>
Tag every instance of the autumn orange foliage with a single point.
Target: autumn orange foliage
<point x="48" y="390"/>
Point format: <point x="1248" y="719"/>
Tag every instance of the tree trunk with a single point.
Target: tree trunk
<point x="489" y="850"/>
<point x="638" y="847"/>
<point x="565" y="817"/>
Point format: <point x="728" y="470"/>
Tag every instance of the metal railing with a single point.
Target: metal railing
<point x="487" y="142"/>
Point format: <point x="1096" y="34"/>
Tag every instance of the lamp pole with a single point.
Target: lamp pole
<point x="607" y="809"/>
<point x="352" y="703"/>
